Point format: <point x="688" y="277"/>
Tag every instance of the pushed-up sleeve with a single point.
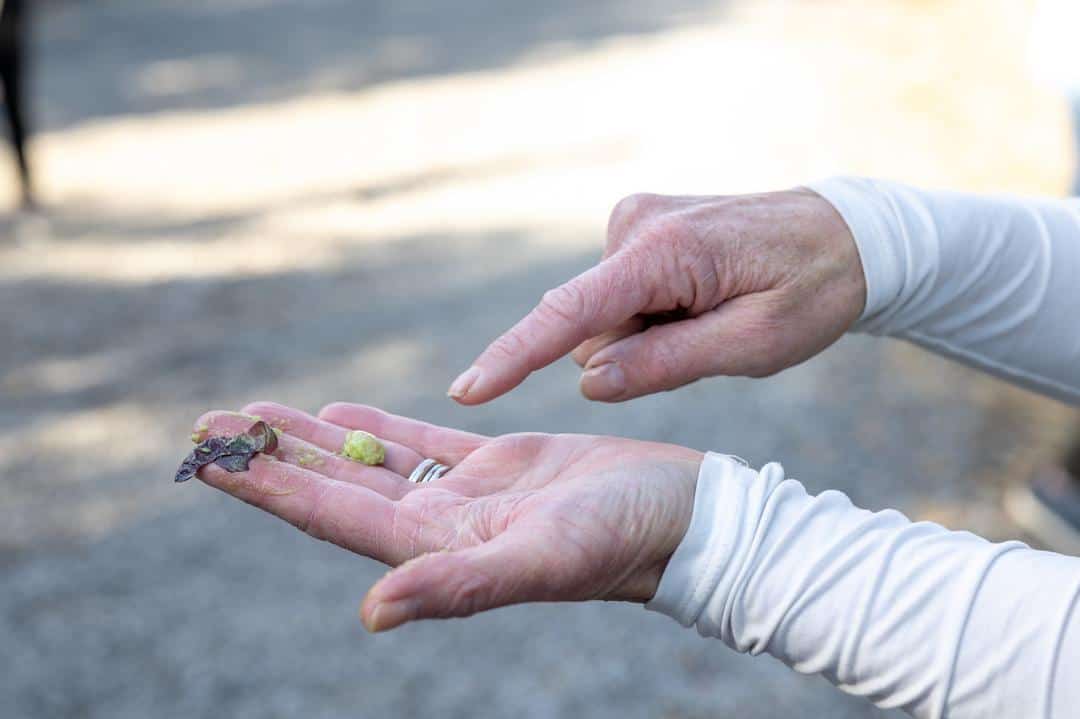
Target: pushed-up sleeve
<point x="906" y="614"/>
<point x="993" y="282"/>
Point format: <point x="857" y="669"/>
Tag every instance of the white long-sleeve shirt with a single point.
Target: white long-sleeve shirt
<point x="910" y="615"/>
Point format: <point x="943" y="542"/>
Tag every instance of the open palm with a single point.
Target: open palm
<point x="519" y="518"/>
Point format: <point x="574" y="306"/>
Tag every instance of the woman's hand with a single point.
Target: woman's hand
<point x="519" y="518"/>
<point x="689" y="287"/>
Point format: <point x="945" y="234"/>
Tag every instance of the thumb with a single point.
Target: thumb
<point x="737" y="338"/>
<point x="505" y="570"/>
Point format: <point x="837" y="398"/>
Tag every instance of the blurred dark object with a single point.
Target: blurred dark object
<point x="13" y="37"/>
<point x="1072" y="459"/>
<point x="1048" y="507"/>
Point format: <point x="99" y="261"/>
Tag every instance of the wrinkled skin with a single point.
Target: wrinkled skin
<point x="519" y="518"/>
<point x="689" y="287"/>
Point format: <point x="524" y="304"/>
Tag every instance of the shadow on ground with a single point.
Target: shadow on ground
<point x="123" y="57"/>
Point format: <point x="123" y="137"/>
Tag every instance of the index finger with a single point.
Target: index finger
<point x="595" y="301"/>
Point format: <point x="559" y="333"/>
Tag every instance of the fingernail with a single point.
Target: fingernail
<point x="604" y="381"/>
<point x="387" y="615"/>
<point x="464" y="383"/>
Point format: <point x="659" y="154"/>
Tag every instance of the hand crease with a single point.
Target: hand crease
<point x="308" y="525"/>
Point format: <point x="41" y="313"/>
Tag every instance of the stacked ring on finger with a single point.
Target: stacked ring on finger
<point x="428" y="471"/>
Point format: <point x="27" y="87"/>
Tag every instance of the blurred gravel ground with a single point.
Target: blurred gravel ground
<point x="167" y="282"/>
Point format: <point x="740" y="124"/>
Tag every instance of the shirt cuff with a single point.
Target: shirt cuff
<point x="871" y="218"/>
<point x="727" y="505"/>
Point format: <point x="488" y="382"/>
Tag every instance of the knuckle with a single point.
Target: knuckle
<point x="628" y="208"/>
<point x="471" y="594"/>
<point x="631" y="271"/>
<point x="334" y="408"/>
<point x="508" y="346"/>
<point x="564" y="304"/>
<point x="313" y="523"/>
<point x="665" y="228"/>
<point x="627" y="214"/>
<point x="664" y="366"/>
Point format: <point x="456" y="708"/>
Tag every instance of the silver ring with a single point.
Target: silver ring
<point x="437" y="471"/>
<point x="421" y="469"/>
<point x="428" y="471"/>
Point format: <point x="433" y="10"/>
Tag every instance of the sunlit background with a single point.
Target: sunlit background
<point x="314" y="200"/>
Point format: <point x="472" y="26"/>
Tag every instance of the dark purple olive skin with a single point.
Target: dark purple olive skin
<point x="230" y="453"/>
